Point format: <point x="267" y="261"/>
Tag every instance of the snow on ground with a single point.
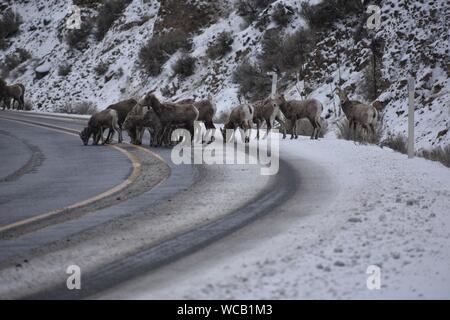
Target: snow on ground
<point x="357" y="206"/>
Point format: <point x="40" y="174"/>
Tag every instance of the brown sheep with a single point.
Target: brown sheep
<point x="106" y="119"/>
<point x="15" y="92"/>
<point x="240" y="118"/>
<point x="123" y="108"/>
<point x="172" y="114"/>
<point x="207" y="111"/>
<point x="294" y="110"/>
<point x="358" y="112"/>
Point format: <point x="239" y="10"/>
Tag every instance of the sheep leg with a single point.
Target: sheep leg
<point x="282" y="124"/>
<point x="372" y="128"/>
<point x="294" y="128"/>
<point x="319" y="127"/>
<point x="210" y="130"/>
<point x="313" y="123"/>
<point x="258" y="126"/>
<point x="101" y="136"/>
<point x="119" y="130"/>
<point x="269" y="127"/>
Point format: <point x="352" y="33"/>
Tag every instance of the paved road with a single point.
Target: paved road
<point x="44" y="170"/>
<point x="138" y="232"/>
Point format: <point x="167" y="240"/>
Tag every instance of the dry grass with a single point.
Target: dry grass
<point x="343" y="131"/>
<point x="397" y="143"/>
<point x="441" y="154"/>
<point x="81" y="108"/>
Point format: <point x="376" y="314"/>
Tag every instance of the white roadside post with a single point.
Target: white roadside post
<point x="274" y="83"/>
<point x="411" y="88"/>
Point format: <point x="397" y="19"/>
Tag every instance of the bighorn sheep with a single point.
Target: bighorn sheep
<point x="136" y="125"/>
<point x="106" y="119"/>
<point x="240" y="118"/>
<point x="15" y="92"/>
<point x="207" y="111"/>
<point x="268" y="110"/>
<point x="358" y="112"/>
<point x="294" y="110"/>
<point x="132" y="123"/>
<point x="123" y="108"/>
<point x="172" y="114"/>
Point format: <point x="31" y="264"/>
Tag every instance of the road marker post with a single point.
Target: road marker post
<point x="411" y="89"/>
<point x="274" y="83"/>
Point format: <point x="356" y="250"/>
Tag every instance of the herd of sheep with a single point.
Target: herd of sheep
<point x="162" y="118"/>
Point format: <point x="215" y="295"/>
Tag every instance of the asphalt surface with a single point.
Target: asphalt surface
<point x="159" y="220"/>
<point x="51" y="170"/>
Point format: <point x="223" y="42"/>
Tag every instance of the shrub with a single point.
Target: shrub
<point x="108" y="13"/>
<point x="326" y="13"/>
<point x="281" y="15"/>
<point x="250" y="9"/>
<point x="288" y="54"/>
<point x="82" y="108"/>
<point x="220" y="46"/>
<point x="441" y="154"/>
<point x="101" y="68"/>
<point x="396" y="142"/>
<point x="155" y="53"/>
<point x="184" y="66"/>
<point x="9" y="25"/>
<point x="76" y="38"/>
<point x="296" y="47"/>
<point x="254" y="84"/>
<point x="64" y="70"/>
<point x="27" y="106"/>
<point x="345" y="132"/>
<point x="221" y="118"/>
<point x="13" y="60"/>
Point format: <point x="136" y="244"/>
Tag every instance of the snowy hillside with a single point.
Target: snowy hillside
<point x="106" y="69"/>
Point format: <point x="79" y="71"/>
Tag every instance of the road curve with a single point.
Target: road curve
<point x="57" y="173"/>
<point x="175" y="227"/>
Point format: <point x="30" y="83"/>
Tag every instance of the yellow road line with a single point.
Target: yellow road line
<point x="131" y="178"/>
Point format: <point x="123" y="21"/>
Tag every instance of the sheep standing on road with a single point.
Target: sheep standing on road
<point x="123" y="108"/>
<point x="135" y="125"/>
<point x="240" y="118"/>
<point x="206" y="110"/>
<point x="268" y="111"/>
<point x="295" y="110"/>
<point x="172" y="115"/>
<point x="106" y="119"/>
<point x="358" y="113"/>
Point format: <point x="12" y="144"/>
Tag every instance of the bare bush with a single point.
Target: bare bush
<point x="155" y="53"/>
<point x="220" y="46"/>
<point x="13" y="60"/>
<point x="441" y="154"/>
<point x="254" y="84"/>
<point x="327" y="12"/>
<point x="81" y="108"/>
<point x="184" y="66"/>
<point x="64" y="70"/>
<point x="360" y="135"/>
<point x="250" y="9"/>
<point x="396" y="142"/>
<point x="281" y="15"/>
<point x="288" y="54"/>
<point x="9" y="25"/>
<point x="222" y="117"/>
<point x="101" y="68"/>
<point x="27" y="106"/>
<point x="76" y="38"/>
<point x="110" y="11"/>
